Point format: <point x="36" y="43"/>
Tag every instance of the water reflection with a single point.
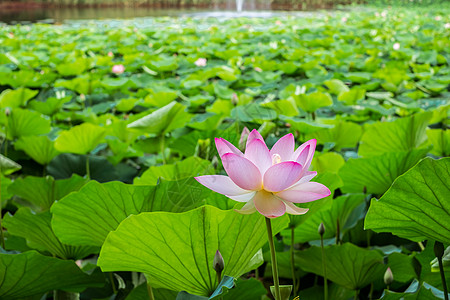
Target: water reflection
<point x="226" y="9"/>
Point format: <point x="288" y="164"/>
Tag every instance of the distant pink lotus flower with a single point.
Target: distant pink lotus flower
<point x="344" y="19"/>
<point x="447" y="26"/>
<point x="438" y="18"/>
<point x="118" y="69"/>
<point x="201" y="62"/>
<point x="396" y="46"/>
<point x="384" y="14"/>
<point x="258" y="69"/>
<point x="110" y="54"/>
<point x="269" y="181"/>
<point x="278" y="22"/>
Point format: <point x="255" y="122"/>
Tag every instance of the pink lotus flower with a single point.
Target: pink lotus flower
<point x="201" y="62"/>
<point x="447" y="26"/>
<point x="118" y="69"/>
<point x="269" y="181"/>
<point x="110" y="54"/>
<point x="396" y="46"/>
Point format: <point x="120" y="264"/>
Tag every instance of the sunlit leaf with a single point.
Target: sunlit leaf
<point x="80" y="139"/>
<point x="416" y="207"/>
<point x="165" y="246"/>
<point x="347" y="264"/>
<point x="87" y="216"/>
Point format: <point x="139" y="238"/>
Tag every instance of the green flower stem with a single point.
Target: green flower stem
<point x="439" y="252"/>
<point x="356" y="294"/>
<point x="163" y="146"/>
<point x="338" y="232"/>
<point x="88" y="168"/>
<point x="150" y="292"/>
<point x="113" y="285"/>
<point x="324" y="267"/>
<point x="1" y="204"/>
<point x="292" y="260"/>
<point x="2" y="236"/>
<point x="273" y="255"/>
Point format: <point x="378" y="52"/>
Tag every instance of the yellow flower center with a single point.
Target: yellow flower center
<point x="276" y="159"/>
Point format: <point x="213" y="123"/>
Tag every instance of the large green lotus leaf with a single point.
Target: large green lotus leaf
<point x="347" y="264"/>
<point x="352" y="96"/>
<point x="402" y="267"/>
<point x="339" y="209"/>
<point x="327" y="162"/>
<point x="336" y="86"/>
<point x="5" y="182"/>
<point x="376" y="174"/>
<point x="80" y="139"/>
<point x="39" y="148"/>
<point x="163" y="120"/>
<point x="8" y="166"/>
<point x="304" y="126"/>
<point x="87" y="216"/>
<point x="41" y="192"/>
<point x="416" y="207"/>
<point x="66" y="164"/>
<point x="191" y="166"/>
<point x="176" y="250"/>
<point x="401" y="135"/>
<point x="335" y="292"/>
<point x="285" y="107"/>
<point x="50" y="106"/>
<point x="253" y="112"/>
<point x="415" y="292"/>
<point x="23" y="122"/>
<point x="37" y="230"/>
<point x="77" y="67"/>
<point x="311" y="102"/>
<point x="440" y="139"/>
<point x="30" y="273"/>
<point x="222" y="289"/>
<point x="141" y="292"/>
<point x="16" y="98"/>
<point x="343" y="135"/>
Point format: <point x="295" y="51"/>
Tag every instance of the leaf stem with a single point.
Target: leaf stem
<point x="356" y="294"/>
<point x="324" y="267"/>
<point x="439" y="252"/>
<point x="163" y="146"/>
<point x="273" y="255"/>
<point x="113" y="285"/>
<point x="2" y="236"/>
<point x="88" y="169"/>
<point x="338" y="232"/>
<point x="150" y="292"/>
<point x="293" y="261"/>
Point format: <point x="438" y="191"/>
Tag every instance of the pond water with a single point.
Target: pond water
<point x="25" y="14"/>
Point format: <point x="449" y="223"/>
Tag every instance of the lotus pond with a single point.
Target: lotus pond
<point x="104" y="126"/>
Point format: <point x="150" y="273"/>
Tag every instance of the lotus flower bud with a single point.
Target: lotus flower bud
<point x="438" y="249"/>
<point x="388" y="277"/>
<point x="218" y="263"/>
<point x="234" y="99"/>
<point x="321" y="229"/>
<point x="243" y="139"/>
<point x="7" y="112"/>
